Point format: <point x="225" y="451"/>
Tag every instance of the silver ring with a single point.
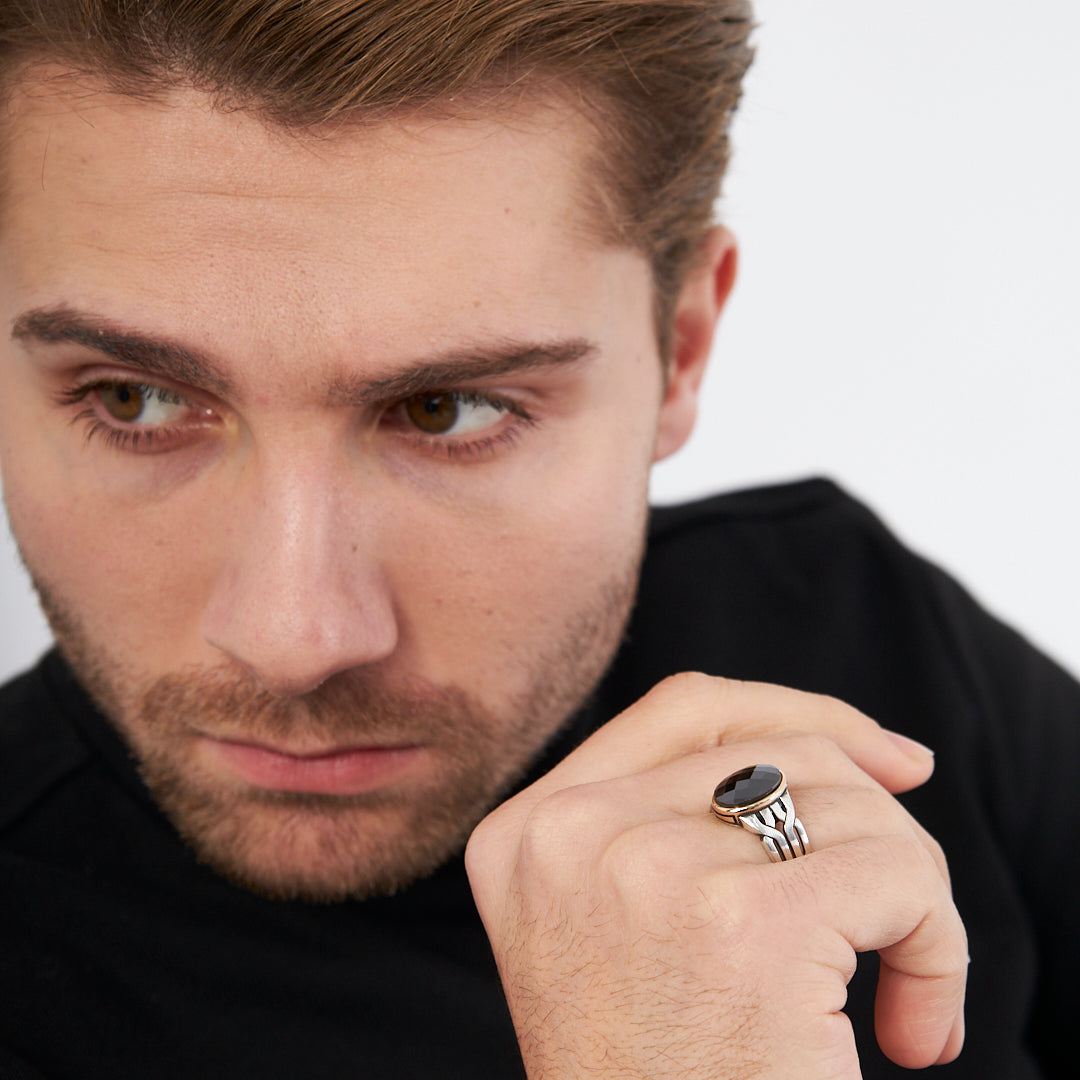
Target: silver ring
<point x="756" y="798"/>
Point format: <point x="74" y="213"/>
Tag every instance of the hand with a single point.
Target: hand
<point x="638" y="936"/>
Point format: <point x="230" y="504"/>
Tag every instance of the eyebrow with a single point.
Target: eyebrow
<point x="162" y="356"/>
<point x="459" y="367"/>
<point x="158" y="356"/>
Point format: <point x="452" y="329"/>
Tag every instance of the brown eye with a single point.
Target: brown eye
<point x="123" y="401"/>
<point x="434" y="414"/>
<point x="143" y="404"/>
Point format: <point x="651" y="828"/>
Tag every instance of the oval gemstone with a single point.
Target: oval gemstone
<point x="748" y="786"/>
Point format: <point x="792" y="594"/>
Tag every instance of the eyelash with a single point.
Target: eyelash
<point x="133" y="438"/>
<point x="136" y="439"/>
<point x="477" y="449"/>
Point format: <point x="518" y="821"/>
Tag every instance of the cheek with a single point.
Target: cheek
<point x="106" y="548"/>
<point x="127" y="573"/>
<point x="490" y="590"/>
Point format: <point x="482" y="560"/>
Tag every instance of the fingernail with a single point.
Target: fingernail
<point x="909" y="746"/>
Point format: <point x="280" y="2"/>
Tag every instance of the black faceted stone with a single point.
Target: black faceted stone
<point x="748" y="786"/>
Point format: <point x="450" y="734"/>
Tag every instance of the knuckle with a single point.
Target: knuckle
<point x="833" y="706"/>
<point x="482" y="842"/>
<point x="914" y="866"/>
<point x="959" y="957"/>
<point x="921" y="857"/>
<point x="815" y="745"/>
<point x="937" y="852"/>
<point x="558" y="831"/>
<point x="695" y="689"/>
<point x="812" y="754"/>
<point x="489" y="844"/>
<point x="924" y="855"/>
<point x="642" y="857"/>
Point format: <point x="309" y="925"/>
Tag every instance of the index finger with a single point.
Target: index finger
<point x="691" y="712"/>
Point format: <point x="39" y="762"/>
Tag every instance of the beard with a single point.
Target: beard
<point x="324" y="847"/>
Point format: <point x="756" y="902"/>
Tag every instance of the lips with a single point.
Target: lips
<point x="346" y="771"/>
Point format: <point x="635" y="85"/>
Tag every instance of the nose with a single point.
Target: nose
<point x="300" y="595"/>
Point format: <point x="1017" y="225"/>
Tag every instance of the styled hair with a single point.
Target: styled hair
<point x="658" y="79"/>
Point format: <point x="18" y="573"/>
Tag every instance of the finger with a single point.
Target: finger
<point x="640" y="815"/>
<point x="689" y="713"/>
<point x="808" y="762"/>
<point x="888" y="894"/>
<point x="919" y="1021"/>
<point x="887" y="867"/>
<point x="569" y="820"/>
<point x="842" y="803"/>
<point x="558" y="815"/>
<point x="871" y="878"/>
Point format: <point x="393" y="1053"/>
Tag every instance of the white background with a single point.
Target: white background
<point x="905" y="191"/>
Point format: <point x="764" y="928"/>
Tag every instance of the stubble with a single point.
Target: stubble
<point x="320" y="847"/>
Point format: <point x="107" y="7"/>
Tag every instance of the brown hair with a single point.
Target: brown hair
<point x="658" y="78"/>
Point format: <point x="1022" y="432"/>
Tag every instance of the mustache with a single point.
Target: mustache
<point x="351" y="706"/>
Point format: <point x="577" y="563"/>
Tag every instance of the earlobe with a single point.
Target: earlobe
<point x="697" y="311"/>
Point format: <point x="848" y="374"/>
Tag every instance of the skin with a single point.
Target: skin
<point x="272" y="554"/>
<point x="637" y="938"/>
<point x="342" y="636"/>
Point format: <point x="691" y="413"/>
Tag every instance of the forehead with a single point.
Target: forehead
<point x="114" y="202"/>
<point x="182" y="137"/>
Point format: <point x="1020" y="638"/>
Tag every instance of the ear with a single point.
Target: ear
<point x="697" y="311"/>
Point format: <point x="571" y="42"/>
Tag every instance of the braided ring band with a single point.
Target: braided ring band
<point x="756" y="798"/>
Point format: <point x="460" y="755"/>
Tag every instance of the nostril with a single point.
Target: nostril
<point x="293" y="641"/>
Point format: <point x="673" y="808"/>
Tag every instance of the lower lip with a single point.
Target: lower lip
<point x="344" y="772"/>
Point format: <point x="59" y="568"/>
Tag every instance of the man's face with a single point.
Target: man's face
<point x="328" y="456"/>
